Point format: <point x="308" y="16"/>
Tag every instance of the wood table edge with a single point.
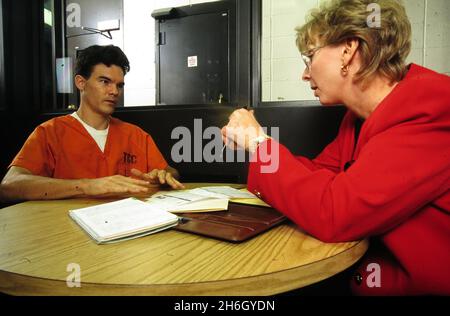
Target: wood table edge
<point x="280" y="281"/>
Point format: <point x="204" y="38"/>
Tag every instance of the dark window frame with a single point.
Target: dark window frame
<point x="230" y="6"/>
<point x="243" y="62"/>
<point x="256" y="65"/>
<point x="246" y="84"/>
<point x="256" y="51"/>
<point x="58" y="49"/>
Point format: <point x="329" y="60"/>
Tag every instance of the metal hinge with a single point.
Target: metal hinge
<point x="161" y="40"/>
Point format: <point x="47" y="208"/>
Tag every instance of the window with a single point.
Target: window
<point x="72" y="25"/>
<point x="282" y="67"/>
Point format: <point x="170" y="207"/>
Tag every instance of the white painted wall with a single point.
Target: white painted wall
<point x="281" y="62"/>
<point x="430" y="21"/>
<point x="282" y="65"/>
<point x="139" y="46"/>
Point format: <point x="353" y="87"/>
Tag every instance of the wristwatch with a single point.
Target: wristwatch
<point x="255" y="142"/>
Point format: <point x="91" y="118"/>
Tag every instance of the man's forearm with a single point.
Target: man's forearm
<point x="31" y="187"/>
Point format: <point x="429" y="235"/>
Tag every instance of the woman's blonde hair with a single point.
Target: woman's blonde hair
<point x="383" y="48"/>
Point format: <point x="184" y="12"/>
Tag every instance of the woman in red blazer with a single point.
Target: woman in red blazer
<point x="390" y="182"/>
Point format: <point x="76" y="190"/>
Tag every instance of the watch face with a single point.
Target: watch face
<point x="260" y="139"/>
<point x="256" y="141"/>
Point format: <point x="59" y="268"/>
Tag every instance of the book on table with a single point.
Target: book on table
<point x="122" y="220"/>
<point x="219" y="215"/>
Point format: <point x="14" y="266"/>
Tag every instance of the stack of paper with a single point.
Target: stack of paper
<point x="187" y="201"/>
<point x="204" y="199"/>
<point x="234" y="195"/>
<point x="223" y="192"/>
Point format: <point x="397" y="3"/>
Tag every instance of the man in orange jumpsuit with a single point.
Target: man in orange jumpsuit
<point x="89" y="153"/>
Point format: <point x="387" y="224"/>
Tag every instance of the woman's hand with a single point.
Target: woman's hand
<point x="241" y="129"/>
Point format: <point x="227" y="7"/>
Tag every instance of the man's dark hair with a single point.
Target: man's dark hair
<point x="93" y="55"/>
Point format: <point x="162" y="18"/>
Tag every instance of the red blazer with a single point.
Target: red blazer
<point x="397" y="189"/>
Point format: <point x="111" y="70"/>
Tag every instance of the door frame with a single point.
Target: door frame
<point x="241" y="40"/>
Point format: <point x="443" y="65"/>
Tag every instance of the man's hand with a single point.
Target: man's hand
<point x="114" y="186"/>
<point x="158" y="176"/>
<point x="20" y="184"/>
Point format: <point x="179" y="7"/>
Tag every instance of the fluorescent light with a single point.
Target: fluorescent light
<point x="48" y="17"/>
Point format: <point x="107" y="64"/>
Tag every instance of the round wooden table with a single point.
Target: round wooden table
<point x="40" y="245"/>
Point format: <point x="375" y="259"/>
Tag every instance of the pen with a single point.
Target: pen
<point x="248" y="108"/>
<point x="223" y="149"/>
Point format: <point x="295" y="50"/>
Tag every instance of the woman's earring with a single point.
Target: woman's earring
<point x="344" y="70"/>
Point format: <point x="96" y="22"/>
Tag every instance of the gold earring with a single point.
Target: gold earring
<point x="344" y="69"/>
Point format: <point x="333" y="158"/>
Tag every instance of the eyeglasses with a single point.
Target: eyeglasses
<point x="307" y="56"/>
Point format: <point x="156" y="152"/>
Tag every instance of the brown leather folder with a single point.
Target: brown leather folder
<point x="241" y="222"/>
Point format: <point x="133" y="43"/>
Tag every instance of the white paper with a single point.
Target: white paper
<point x="187" y="200"/>
<point x="121" y="218"/>
<point x="209" y="194"/>
<point x="192" y="61"/>
<point x="229" y="192"/>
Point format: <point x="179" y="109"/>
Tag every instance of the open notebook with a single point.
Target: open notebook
<point x="122" y="220"/>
